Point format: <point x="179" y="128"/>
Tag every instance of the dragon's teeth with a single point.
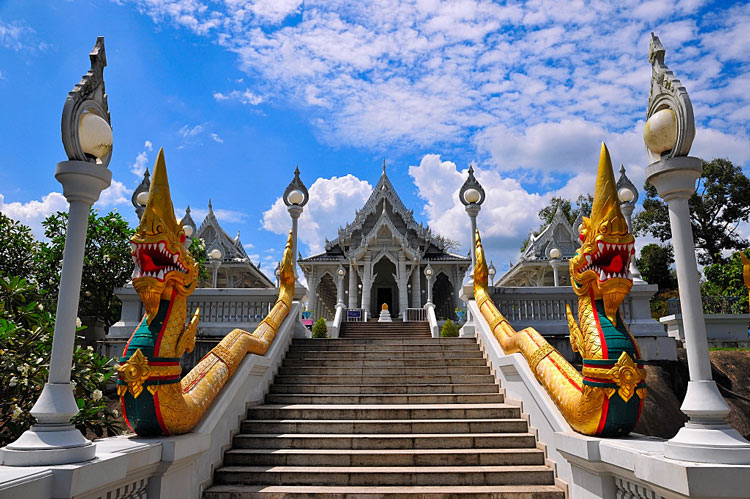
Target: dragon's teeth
<point x="602" y="275"/>
<point x="161" y="275"/>
<point x="174" y="258"/>
<point x="588" y="258"/>
<point x="601" y="247"/>
<point x="161" y="247"/>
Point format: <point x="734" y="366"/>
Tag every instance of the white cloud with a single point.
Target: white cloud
<point x="141" y="160"/>
<point x="215" y="137"/>
<point x="18" y="36"/>
<point x="245" y="97"/>
<point x="188" y="131"/>
<point x="113" y="195"/>
<point x="33" y="212"/>
<point x="222" y="215"/>
<point x="332" y="204"/>
<point x="248" y="245"/>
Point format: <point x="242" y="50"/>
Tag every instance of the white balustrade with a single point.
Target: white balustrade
<point x="415" y="315"/>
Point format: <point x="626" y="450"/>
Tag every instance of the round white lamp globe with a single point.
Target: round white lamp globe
<point x="428" y="272"/>
<point x="188" y="230"/>
<point x="295" y="197"/>
<point x="215" y="254"/>
<point x="660" y="132"/>
<point x="472" y="196"/>
<point x="625" y="195"/>
<point x="142" y="198"/>
<point x="95" y="135"/>
<point x="341" y="272"/>
<point x="554" y="253"/>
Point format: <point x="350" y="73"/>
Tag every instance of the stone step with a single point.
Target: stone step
<point x="393" y="389"/>
<point x="385" y="475"/>
<point x="396" y="362"/>
<point x="380" y="426"/>
<point x="376" y="347"/>
<point x="453" y="398"/>
<point x="383" y="457"/>
<point x="336" y="342"/>
<point x="344" y="355"/>
<point x="384" y="441"/>
<point x="401" y="411"/>
<point x="363" y="492"/>
<point x="455" y="379"/>
<point x="385" y="370"/>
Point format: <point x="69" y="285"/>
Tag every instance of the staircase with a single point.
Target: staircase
<point x="385" y="417"/>
<point x="384" y="330"/>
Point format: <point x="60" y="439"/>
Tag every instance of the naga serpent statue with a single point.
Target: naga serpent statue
<point x="607" y="398"/>
<point x="165" y="275"/>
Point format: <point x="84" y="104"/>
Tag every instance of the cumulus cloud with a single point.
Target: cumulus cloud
<point x="141" y="160"/>
<point x="332" y="204"/>
<point x="32" y="212"/>
<point x="114" y="195"/>
<point x="222" y="215"/>
<point x="245" y="97"/>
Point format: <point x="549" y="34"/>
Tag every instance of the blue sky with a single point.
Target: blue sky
<point x="238" y="92"/>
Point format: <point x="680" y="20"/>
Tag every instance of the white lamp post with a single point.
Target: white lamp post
<point x="668" y="135"/>
<point x="491" y="271"/>
<point x="428" y="275"/>
<point x="472" y="197"/>
<point x="554" y="255"/>
<point x="628" y="196"/>
<point x="215" y="262"/>
<point x="340" y="273"/>
<point x="295" y="198"/>
<point x="87" y="137"/>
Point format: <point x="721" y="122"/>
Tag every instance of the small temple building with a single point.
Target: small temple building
<point x="382" y="256"/>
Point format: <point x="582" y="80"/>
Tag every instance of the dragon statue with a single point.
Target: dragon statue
<point x="155" y="400"/>
<point x="607" y="398"/>
<point x="745" y="271"/>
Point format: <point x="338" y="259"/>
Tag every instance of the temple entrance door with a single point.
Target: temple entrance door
<point x="442" y="295"/>
<point x="385" y="295"/>
<point x="385" y="282"/>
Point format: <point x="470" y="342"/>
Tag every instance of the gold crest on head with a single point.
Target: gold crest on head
<point x="162" y="262"/>
<point x="602" y="263"/>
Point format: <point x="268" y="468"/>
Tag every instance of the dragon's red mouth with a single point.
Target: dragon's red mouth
<point x="610" y="260"/>
<point x="155" y="260"/>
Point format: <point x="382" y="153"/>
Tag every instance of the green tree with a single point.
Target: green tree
<point x="17" y="248"/>
<point x="449" y="329"/>
<point x="107" y="263"/>
<point x="654" y="265"/>
<point x="26" y="331"/>
<point x="725" y="279"/>
<point x="721" y="202"/>
<point x="197" y="248"/>
<point x="546" y="214"/>
<point x="447" y="242"/>
<point x="320" y="330"/>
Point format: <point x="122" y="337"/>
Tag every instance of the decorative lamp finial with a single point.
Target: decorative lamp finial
<point x="296" y="193"/>
<point x="471" y="192"/>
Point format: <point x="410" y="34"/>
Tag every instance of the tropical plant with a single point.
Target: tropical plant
<point x="320" y="330"/>
<point x="449" y="329"/>
<point x="654" y="265"/>
<point x="26" y="331"/>
<point x="725" y="279"/>
<point x="17" y="248"/>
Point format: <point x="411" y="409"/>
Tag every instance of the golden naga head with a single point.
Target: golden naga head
<point x="745" y="270"/>
<point x="480" y="266"/>
<point x="602" y="262"/>
<point x="162" y="262"/>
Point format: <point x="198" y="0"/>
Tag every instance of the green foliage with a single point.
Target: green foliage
<point x="26" y="331"/>
<point x="725" y="279"/>
<point x="107" y="263"/>
<point x="197" y="248"/>
<point x="320" y="330"/>
<point x="546" y="214"/>
<point x="654" y="266"/>
<point x="720" y="203"/>
<point x="449" y="329"/>
<point x="17" y="248"/>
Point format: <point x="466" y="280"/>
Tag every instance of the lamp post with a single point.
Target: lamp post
<point x="491" y="272"/>
<point x="277" y="273"/>
<point x="554" y="255"/>
<point x="428" y="275"/>
<point x="668" y="134"/>
<point x="87" y="137"/>
<point x="340" y="273"/>
<point x="215" y="256"/>
<point x="628" y="196"/>
<point x="472" y="196"/>
<point x="295" y="198"/>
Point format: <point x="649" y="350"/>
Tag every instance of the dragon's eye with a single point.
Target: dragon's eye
<point x="582" y="236"/>
<point x="182" y="238"/>
<point x="604" y="227"/>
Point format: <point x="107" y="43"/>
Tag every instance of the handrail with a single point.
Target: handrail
<point x="415" y="315"/>
<point x="337" y="319"/>
<point x="432" y="320"/>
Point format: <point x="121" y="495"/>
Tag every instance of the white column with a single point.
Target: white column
<point x="294" y="211"/>
<point x="53" y="440"/>
<point x="313" y="296"/>
<point x="403" y="292"/>
<point x="416" y="288"/>
<point x="366" y="284"/>
<point x="627" y="211"/>
<point x="352" y="286"/>
<point x="555" y="266"/>
<point x="706" y="437"/>
<point x="473" y="211"/>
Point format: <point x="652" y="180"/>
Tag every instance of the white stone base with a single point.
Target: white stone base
<point x="385" y="316"/>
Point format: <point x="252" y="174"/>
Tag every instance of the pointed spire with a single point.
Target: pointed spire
<point x="383" y="166"/>
<point x="187" y="210"/>
<point x="159" y="199"/>
<point x="210" y="207"/>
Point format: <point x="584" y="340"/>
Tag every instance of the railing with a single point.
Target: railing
<point x="355" y="315"/>
<point x="712" y="305"/>
<point x="415" y="315"/>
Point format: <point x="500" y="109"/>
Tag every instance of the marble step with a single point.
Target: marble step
<point x="336" y="342"/>
<point x="365" y="412"/>
<point x="379" y="426"/>
<point x="456" y="379"/>
<point x="390" y="492"/>
<point x="386" y="370"/>
<point x="453" y="398"/>
<point x="392" y="389"/>
<point x="385" y="362"/>
<point x="324" y="346"/>
<point x="380" y="355"/>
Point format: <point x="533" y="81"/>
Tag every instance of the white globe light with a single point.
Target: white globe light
<point x="660" y="132"/>
<point x="472" y="196"/>
<point x="215" y="254"/>
<point x="295" y="197"/>
<point x="428" y="272"/>
<point x="188" y="230"/>
<point x="142" y="198"/>
<point x="554" y="253"/>
<point x="342" y="272"/>
<point x="94" y="135"/>
<point x="625" y="195"/>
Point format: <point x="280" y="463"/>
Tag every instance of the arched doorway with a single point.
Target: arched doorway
<point x="326" y="291"/>
<point x="442" y="295"/>
<point x="384" y="289"/>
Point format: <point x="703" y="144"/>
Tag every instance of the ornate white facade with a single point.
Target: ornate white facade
<point x="384" y="253"/>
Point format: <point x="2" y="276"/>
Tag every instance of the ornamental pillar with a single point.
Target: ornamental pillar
<point x="416" y="287"/>
<point x="366" y="285"/>
<point x="403" y="292"/>
<point x="352" y="286"/>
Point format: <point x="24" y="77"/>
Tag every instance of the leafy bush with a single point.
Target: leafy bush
<point x="320" y="330"/>
<point x="449" y="329"/>
<point x="26" y="330"/>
